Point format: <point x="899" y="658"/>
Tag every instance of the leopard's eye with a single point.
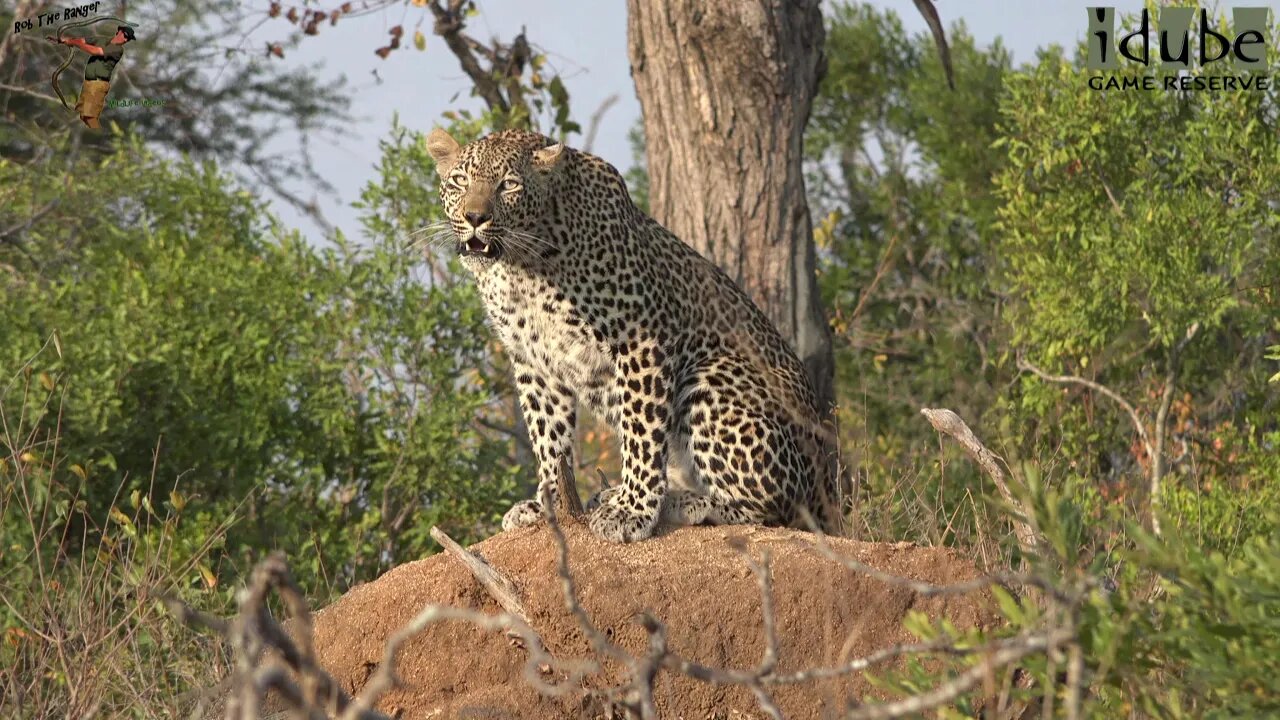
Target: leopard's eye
<point x="459" y="179"/>
<point x="509" y="185"/>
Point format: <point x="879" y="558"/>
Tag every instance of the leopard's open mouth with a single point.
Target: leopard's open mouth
<point x="476" y="245"/>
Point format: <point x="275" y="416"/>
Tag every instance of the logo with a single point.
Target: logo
<point x="1183" y="40"/>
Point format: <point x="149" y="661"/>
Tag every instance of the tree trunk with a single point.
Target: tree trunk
<point x="725" y="87"/>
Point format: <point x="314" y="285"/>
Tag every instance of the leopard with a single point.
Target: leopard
<point x="600" y="307"/>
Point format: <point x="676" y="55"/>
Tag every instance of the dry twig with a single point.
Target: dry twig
<point x="949" y="423"/>
<point x="593" y="127"/>
<point x="497" y="584"/>
<point x="1014" y="650"/>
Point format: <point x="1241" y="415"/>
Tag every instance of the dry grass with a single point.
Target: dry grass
<point x="84" y="632"/>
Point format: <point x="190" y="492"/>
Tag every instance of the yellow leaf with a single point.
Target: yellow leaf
<point x="419" y="40"/>
<point x="79" y="472"/>
<point x="176" y="499"/>
<point x="46" y="381"/>
<point x="120" y="517"/>
<point x="210" y="580"/>
<point x="824" y="233"/>
<point x="135" y="499"/>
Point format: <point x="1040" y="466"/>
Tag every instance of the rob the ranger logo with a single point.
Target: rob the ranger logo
<point x="1243" y="49"/>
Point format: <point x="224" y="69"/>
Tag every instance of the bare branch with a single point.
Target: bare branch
<point x="27" y="91"/>
<point x="930" y="14"/>
<point x="568" y="503"/>
<point x="1024" y="364"/>
<point x="863" y="663"/>
<point x="599" y="642"/>
<point x="1075" y="680"/>
<point x="189" y="616"/>
<point x="298" y="681"/>
<point x="318" y="695"/>
<point x="1115" y="204"/>
<point x="594" y="125"/>
<point x="497" y="584"/>
<point x="962" y="683"/>
<point x="764" y="576"/>
<point x="948" y="423"/>
<point x="1154" y="450"/>
<point x="449" y="26"/>
<point x="1162" y="418"/>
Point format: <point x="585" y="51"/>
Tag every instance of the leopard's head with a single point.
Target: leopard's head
<point x="495" y="192"/>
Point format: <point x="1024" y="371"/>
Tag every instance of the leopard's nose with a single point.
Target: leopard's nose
<point x="477" y="219"/>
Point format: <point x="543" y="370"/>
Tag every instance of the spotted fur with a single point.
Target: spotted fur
<point x="598" y="304"/>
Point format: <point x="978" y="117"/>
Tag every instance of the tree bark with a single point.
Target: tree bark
<point x="726" y="87"/>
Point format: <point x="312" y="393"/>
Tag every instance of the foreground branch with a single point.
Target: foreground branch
<point x="924" y="589"/>
<point x="568" y="504"/>
<point x="1019" y="648"/>
<point x="269" y="660"/>
<point x="254" y="630"/>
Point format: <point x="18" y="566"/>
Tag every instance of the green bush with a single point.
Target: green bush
<point x="327" y="397"/>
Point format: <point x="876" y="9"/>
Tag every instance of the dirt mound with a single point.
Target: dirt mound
<point x="692" y="579"/>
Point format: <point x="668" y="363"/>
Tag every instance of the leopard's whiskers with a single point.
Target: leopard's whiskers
<point x="526" y="244"/>
<point x="532" y="239"/>
<point x="437" y="240"/>
<point x="426" y="235"/>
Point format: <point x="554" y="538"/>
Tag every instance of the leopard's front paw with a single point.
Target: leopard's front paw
<point x="522" y="514"/>
<point x="601" y="497"/>
<point x="613" y="521"/>
<point x="682" y="507"/>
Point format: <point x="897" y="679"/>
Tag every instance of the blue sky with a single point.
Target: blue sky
<point x="587" y="42"/>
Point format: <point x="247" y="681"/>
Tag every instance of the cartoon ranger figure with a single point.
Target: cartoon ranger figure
<point x="97" y="71"/>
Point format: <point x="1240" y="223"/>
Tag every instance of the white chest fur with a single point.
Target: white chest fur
<point x="544" y="329"/>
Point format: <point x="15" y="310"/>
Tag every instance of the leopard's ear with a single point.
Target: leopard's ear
<point x="444" y="150"/>
<point x="549" y="156"/>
